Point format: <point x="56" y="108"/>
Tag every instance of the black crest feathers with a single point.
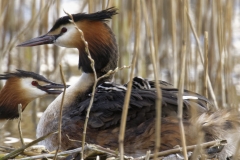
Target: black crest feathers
<point x="24" y="74"/>
<point x="103" y="15"/>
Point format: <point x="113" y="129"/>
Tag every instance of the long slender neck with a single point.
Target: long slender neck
<point x="72" y="95"/>
<point x="81" y="87"/>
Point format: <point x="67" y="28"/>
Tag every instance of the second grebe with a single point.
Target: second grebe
<point x="21" y="88"/>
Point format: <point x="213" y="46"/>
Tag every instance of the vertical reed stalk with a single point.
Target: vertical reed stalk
<point x="61" y="111"/>
<point x="205" y="92"/>
<point x="129" y="86"/>
<point x="230" y="91"/>
<point x="174" y="42"/>
<point x="182" y="78"/>
<point x="155" y="70"/>
<point x="198" y="18"/>
<point x="19" y="124"/>
<point x="221" y="52"/>
<point x="202" y="60"/>
<point x="155" y="29"/>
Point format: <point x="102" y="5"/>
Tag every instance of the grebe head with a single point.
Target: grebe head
<point x="101" y="40"/>
<point x="21" y="88"/>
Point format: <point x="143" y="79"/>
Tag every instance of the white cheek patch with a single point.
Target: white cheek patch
<point x="66" y="38"/>
<point x="190" y="97"/>
<point x="30" y="90"/>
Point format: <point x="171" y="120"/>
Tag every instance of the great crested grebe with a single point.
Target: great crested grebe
<point x="104" y="121"/>
<point x="21" y="88"/>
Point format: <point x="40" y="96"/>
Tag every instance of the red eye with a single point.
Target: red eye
<point x="34" y="83"/>
<point x="63" y="30"/>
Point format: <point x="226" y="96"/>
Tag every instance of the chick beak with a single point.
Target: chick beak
<point x="45" y="39"/>
<point x="53" y="88"/>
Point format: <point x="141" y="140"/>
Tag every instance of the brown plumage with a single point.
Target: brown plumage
<point x="21" y="88"/>
<point x="10" y="97"/>
<point x="104" y="121"/>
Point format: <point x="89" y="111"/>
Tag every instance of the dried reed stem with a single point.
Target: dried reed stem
<point x="174" y="42"/>
<point x="155" y="70"/>
<point x="199" y="26"/>
<point x="189" y="148"/>
<point x="19" y="124"/>
<point x="12" y="43"/>
<point x="15" y="153"/>
<point x="6" y="149"/>
<point x="109" y="3"/>
<point x="90" y="147"/>
<point x="205" y="88"/>
<point x="227" y="32"/>
<point x="202" y="60"/>
<point x="182" y="78"/>
<point x="155" y="27"/>
<point x="221" y="52"/>
<point x="129" y="86"/>
<point x="60" y="114"/>
<point x="147" y="157"/>
<point x="103" y="4"/>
